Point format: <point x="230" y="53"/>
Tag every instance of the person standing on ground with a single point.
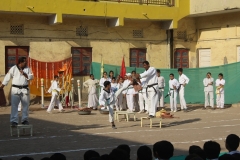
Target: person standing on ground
<point x="103" y="79"/>
<point x="119" y="100"/>
<point x="151" y="87"/>
<point x="173" y="86"/>
<point x="220" y="83"/>
<point x="107" y="99"/>
<point x="91" y="84"/>
<point x="20" y="75"/>
<point x="208" y="90"/>
<point x="161" y="85"/>
<point x="183" y="80"/>
<point x="55" y="89"/>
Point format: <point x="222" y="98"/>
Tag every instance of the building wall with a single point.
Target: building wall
<point x="208" y="6"/>
<point x="51" y="43"/>
<point x="220" y="33"/>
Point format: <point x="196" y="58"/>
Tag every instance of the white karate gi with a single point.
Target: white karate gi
<point x="152" y="89"/>
<point x="107" y="99"/>
<point x="19" y="94"/>
<point x="183" y="79"/>
<point x="173" y="94"/>
<point x="102" y="80"/>
<point x="92" y="92"/>
<point x="208" y="90"/>
<point x="129" y="95"/>
<point x="161" y="85"/>
<point x="142" y="98"/>
<point x="119" y="100"/>
<point x="220" y="95"/>
<point x="54" y="100"/>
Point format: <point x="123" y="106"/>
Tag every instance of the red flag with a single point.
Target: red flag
<point x="123" y="69"/>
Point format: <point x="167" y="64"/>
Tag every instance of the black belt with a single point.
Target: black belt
<point x="20" y="87"/>
<point x="151" y="86"/>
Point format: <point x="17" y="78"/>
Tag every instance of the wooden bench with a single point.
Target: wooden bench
<point x="126" y="115"/>
<point x="23" y="127"/>
<point x="151" y="121"/>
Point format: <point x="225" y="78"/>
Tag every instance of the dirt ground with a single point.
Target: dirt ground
<point x="73" y="134"/>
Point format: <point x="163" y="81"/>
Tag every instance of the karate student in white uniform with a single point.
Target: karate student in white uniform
<point x="119" y="100"/>
<point x="220" y="83"/>
<point x="20" y="75"/>
<point x="151" y="87"/>
<point x="129" y="93"/>
<point x="173" y="86"/>
<point x="183" y="80"/>
<point x="208" y="90"/>
<point x="135" y="95"/>
<point x="161" y="85"/>
<point x="103" y="79"/>
<point x="142" y="98"/>
<point x="107" y="99"/>
<point x="55" y="93"/>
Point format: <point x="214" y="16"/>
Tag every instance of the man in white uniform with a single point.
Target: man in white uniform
<point x="151" y="87"/>
<point x="183" y="80"/>
<point x="129" y="93"/>
<point x="107" y="99"/>
<point x="208" y="90"/>
<point x="161" y="85"/>
<point x="173" y="86"/>
<point x="220" y="83"/>
<point x="142" y="97"/>
<point x="20" y="75"/>
<point x="55" y="93"/>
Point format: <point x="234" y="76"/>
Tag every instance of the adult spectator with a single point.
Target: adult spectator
<point x="90" y="154"/>
<point x="232" y="144"/>
<point x="212" y="149"/>
<point x="163" y="150"/>
<point x="26" y="158"/>
<point x="126" y="148"/>
<point x="118" y="154"/>
<point x="144" y="153"/>
<point x="58" y="156"/>
<point x="197" y="151"/>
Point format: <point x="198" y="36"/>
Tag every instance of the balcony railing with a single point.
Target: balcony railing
<point x="169" y="3"/>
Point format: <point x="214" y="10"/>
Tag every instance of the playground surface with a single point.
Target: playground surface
<point x="73" y="134"/>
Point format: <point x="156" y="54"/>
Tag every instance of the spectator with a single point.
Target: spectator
<point x="90" y="154"/>
<point x="193" y="157"/>
<point x="126" y="148"/>
<point x="163" y="150"/>
<point x="144" y="153"/>
<point x="197" y="151"/>
<point x="232" y="144"/>
<point x="96" y="158"/>
<point x="118" y="154"/>
<point x="105" y="157"/>
<point x="46" y="158"/>
<point x="212" y="149"/>
<point x="226" y="157"/>
<point x="26" y="158"/>
<point x="58" y="156"/>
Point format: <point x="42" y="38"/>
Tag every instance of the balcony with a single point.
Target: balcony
<point x="169" y="3"/>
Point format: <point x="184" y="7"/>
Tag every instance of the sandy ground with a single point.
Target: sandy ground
<point x="73" y="134"/>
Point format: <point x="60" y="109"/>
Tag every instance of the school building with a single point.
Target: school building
<point x="167" y="33"/>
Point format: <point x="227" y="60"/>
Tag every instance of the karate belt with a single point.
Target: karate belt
<point x="20" y="87"/>
<point x="218" y="89"/>
<point x="169" y="93"/>
<point x="151" y="86"/>
<point x="129" y="88"/>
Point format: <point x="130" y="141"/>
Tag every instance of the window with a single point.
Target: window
<point x="13" y="54"/>
<point x="17" y="29"/>
<point x="81" y="61"/>
<point x="181" y="58"/>
<point x="82" y="31"/>
<point x="137" y="56"/>
<point x="137" y="33"/>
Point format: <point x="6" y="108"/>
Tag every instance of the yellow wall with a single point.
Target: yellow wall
<point x="220" y="33"/>
<point x="210" y="6"/>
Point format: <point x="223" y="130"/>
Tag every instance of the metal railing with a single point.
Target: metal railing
<point x="169" y="3"/>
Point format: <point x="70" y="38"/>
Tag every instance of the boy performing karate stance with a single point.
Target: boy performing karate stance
<point x="55" y="92"/>
<point x="173" y="86"/>
<point x="107" y="99"/>
<point x="220" y="91"/>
